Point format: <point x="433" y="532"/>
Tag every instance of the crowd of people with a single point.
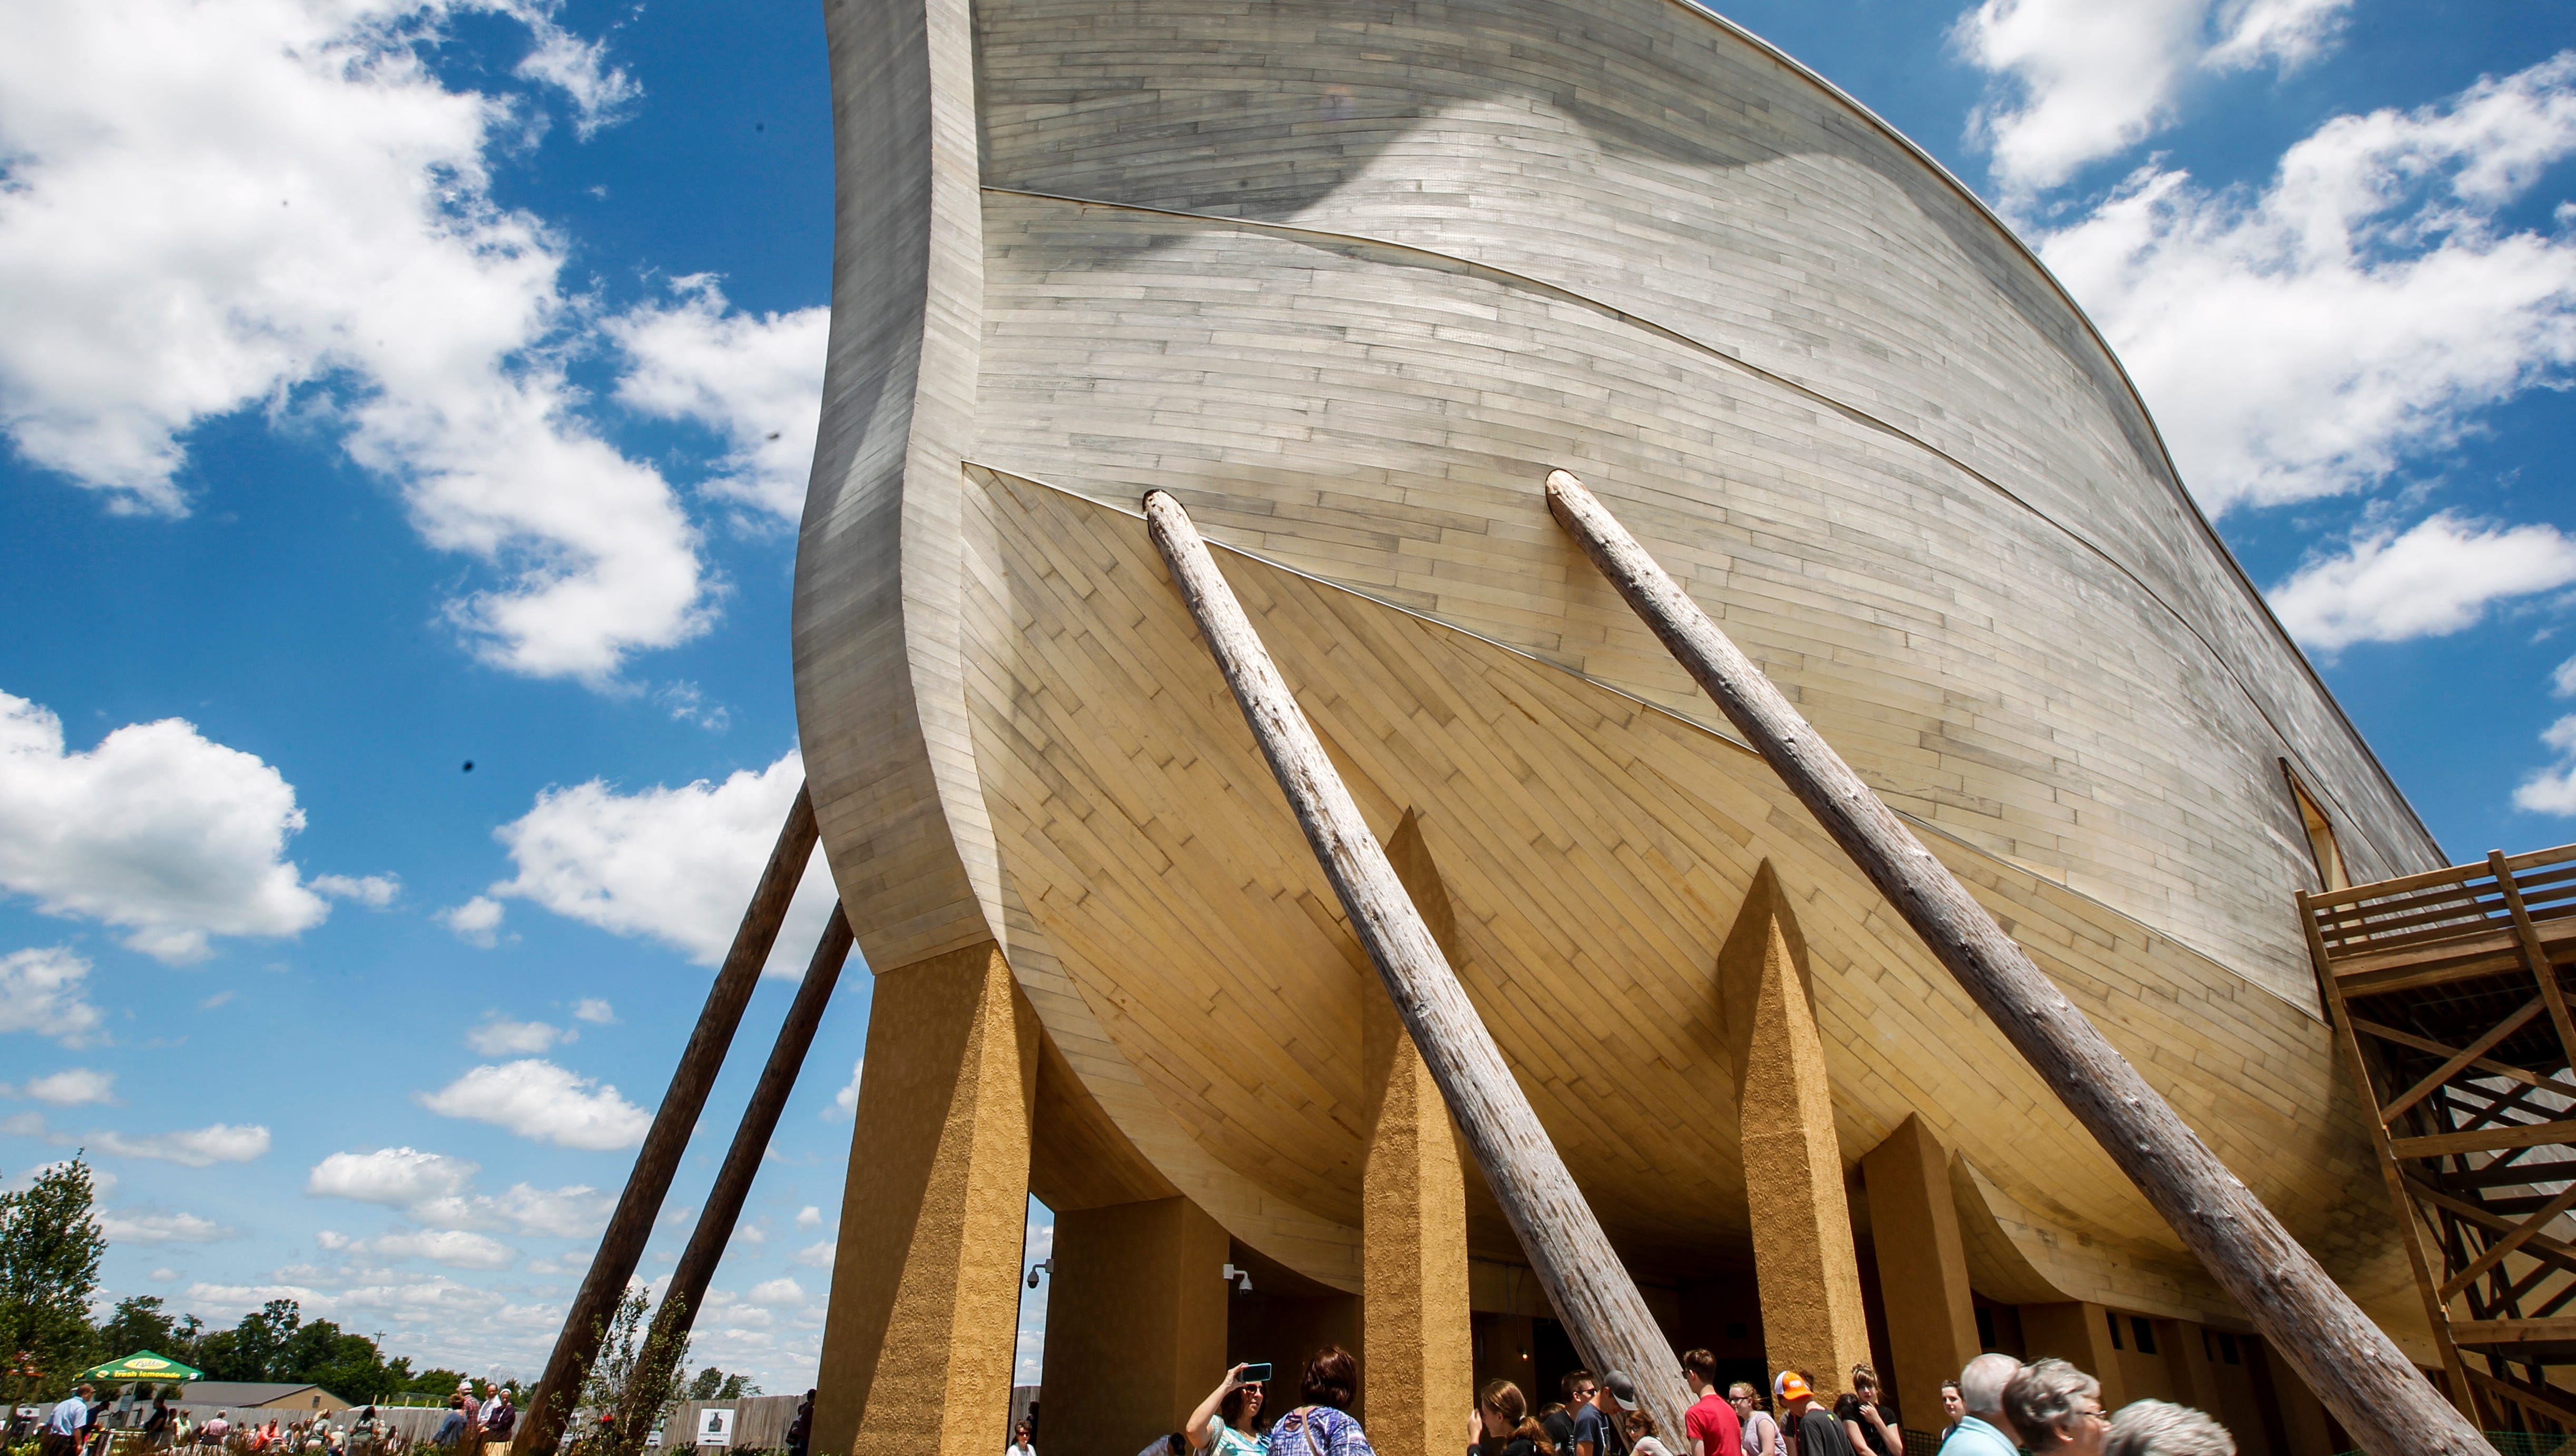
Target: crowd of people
<point x="1998" y="1406"/>
<point x="475" y="1423"/>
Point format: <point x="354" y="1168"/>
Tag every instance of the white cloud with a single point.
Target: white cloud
<point x="778" y="1291"/>
<point x="373" y="891"/>
<point x="2434" y="580"/>
<point x="477" y="922"/>
<point x="594" y="1010"/>
<point x="2080" y="80"/>
<point x="40" y="991"/>
<point x="455" y="1248"/>
<point x="809" y="1217"/>
<point x="2358" y="311"/>
<point x="70" y="1087"/>
<point x="600" y="93"/>
<point x="675" y="865"/>
<point x="276" y="202"/>
<point x="162" y="1276"/>
<point x="2552" y="791"/>
<point x="200" y="1148"/>
<point x="539" y="1100"/>
<point x="846" y="1101"/>
<point x="135" y="1226"/>
<point x="394" y="1177"/>
<point x="156" y="829"/>
<point x="818" y="1255"/>
<point x="757" y="382"/>
<point x="437" y="1190"/>
<point x="501" y="1037"/>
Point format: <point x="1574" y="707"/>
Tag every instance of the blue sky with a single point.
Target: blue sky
<point x="390" y="385"/>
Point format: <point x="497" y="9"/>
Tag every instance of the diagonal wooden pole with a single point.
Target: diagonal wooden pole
<point x="622" y="1243"/>
<point x="679" y="1312"/>
<point x="2346" y="1359"/>
<point x="1581" y="1273"/>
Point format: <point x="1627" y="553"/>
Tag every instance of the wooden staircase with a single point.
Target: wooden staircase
<point x="2451" y="992"/>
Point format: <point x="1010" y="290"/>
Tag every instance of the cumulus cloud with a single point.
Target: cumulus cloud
<point x="70" y="1087"/>
<point x="809" y="1217"/>
<point x="2308" y="338"/>
<point x="846" y="1101"/>
<point x="538" y="1100"/>
<point x="199" y="1148"/>
<point x="2078" y="80"/>
<point x="373" y="891"/>
<point x="756" y="382"/>
<point x="276" y="202"/>
<point x="501" y="1037"/>
<point x="2435" y="579"/>
<point x="595" y="1011"/>
<point x="136" y="1226"/>
<point x="40" y="991"/>
<point x="438" y="1190"/>
<point x="675" y="865"/>
<point x="156" y="829"/>
<point x="778" y="1291"/>
<point x="2553" y="790"/>
<point x="477" y="922"/>
<point x="818" y="1255"/>
<point x="456" y="1248"/>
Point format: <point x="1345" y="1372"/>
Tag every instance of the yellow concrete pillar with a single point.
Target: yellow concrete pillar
<point x="1136" y="1324"/>
<point x="1804" y="1268"/>
<point x="1922" y="1265"/>
<point x="1418" y="1368"/>
<point x="918" y="1338"/>
<point x="2079" y="1334"/>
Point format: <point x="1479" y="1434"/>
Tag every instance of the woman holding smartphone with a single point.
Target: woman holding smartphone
<point x="1223" y="1423"/>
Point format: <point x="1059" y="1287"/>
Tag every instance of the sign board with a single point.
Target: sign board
<point x="715" y="1425"/>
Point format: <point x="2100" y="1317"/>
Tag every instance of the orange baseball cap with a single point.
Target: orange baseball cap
<point x="1791" y="1386"/>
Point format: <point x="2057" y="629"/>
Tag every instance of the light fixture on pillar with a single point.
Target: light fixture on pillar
<point x="1241" y="1279"/>
<point x="1042" y="1266"/>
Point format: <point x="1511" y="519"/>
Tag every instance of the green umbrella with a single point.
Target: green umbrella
<point x="141" y="1365"/>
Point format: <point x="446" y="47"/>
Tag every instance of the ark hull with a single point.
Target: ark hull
<point x="1348" y="279"/>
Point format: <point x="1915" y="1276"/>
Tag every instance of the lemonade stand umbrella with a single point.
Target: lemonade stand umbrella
<point x="141" y="1365"/>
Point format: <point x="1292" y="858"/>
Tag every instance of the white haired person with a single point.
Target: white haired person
<point x="2057" y="1409"/>
<point x="2161" y="1428"/>
<point x="1983" y="1429"/>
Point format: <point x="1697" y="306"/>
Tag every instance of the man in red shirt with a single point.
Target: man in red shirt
<point x="1710" y="1423"/>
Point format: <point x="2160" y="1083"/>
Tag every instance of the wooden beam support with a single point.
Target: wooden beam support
<point x="622" y="1244"/>
<point x="1593" y="1293"/>
<point x="2349" y="1361"/>
<point x="697" y="1266"/>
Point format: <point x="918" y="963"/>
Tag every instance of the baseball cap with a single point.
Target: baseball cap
<point x="1791" y="1386"/>
<point x="1623" y="1387"/>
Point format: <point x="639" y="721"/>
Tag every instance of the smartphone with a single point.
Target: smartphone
<point x="1255" y="1374"/>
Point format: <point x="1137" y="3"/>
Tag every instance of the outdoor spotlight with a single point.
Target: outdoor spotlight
<point x="1042" y="1266"/>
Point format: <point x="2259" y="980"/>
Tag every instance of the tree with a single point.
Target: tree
<point x="636" y="1375"/>
<point x="49" y="1251"/>
<point x="139" y="1323"/>
<point x="714" y="1384"/>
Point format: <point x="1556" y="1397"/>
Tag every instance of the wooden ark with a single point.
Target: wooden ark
<point x="1348" y="278"/>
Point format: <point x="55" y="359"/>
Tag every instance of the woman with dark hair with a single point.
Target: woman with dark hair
<point x="1224" y="1422"/>
<point x="1504" y="1424"/>
<point x="1323" y="1425"/>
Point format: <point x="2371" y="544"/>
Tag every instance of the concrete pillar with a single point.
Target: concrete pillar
<point x="1803" y="1263"/>
<point x="918" y="1338"/>
<point x="1136" y="1324"/>
<point x="2079" y="1334"/>
<point x="1922" y="1265"/>
<point x="1419" y="1371"/>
